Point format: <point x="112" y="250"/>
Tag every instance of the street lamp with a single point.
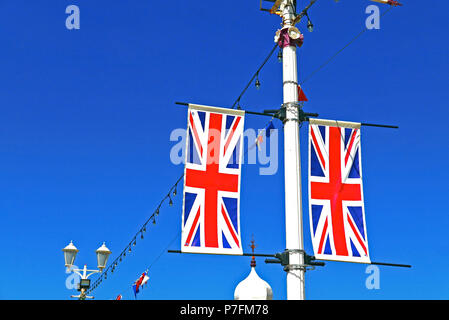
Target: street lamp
<point x="70" y="252"/>
<point x="102" y="256"/>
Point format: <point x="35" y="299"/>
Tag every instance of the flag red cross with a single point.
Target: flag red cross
<point x="212" y="181"/>
<point x="336" y="191"/>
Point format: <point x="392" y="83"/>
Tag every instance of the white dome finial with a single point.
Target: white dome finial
<point x="253" y="287"/>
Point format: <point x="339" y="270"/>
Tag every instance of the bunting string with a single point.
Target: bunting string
<point x="130" y="287"/>
<point x="139" y="234"/>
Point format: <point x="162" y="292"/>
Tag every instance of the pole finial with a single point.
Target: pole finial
<point x="253" y="246"/>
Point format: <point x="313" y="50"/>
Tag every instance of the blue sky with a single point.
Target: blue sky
<point x="86" y="117"/>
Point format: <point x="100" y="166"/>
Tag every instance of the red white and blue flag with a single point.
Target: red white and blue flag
<point x="139" y="283"/>
<point x="336" y="207"/>
<point x="211" y="213"/>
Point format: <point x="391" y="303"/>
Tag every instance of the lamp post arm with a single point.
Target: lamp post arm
<point x="92" y="272"/>
<point x="77" y="271"/>
<point x="84" y="275"/>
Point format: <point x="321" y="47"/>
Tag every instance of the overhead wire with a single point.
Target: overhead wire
<point x="331" y="58"/>
<point x="256" y="74"/>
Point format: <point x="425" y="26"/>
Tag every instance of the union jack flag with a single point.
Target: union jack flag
<point x="336" y="207"/>
<point x="211" y="214"/>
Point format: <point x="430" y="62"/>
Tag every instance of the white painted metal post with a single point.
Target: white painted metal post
<point x="292" y="167"/>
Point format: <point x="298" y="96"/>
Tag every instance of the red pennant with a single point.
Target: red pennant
<point x="301" y="95"/>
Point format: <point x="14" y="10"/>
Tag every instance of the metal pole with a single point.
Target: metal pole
<point x="292" y="167"/>
<point x="83" y="291"/>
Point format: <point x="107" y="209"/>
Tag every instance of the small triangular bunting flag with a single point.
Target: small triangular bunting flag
<point x="301" y="95"/>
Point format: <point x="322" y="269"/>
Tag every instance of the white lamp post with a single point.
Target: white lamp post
<point x="70" y="252"/>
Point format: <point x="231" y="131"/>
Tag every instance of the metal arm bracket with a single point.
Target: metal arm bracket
<point x="281" y="113"/>
<point x="283" y="259"/>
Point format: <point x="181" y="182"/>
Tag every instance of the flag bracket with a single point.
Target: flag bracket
<point x="302" y="116"/>
<point x="311" y="261"/>
<point x="276" y="113"/>
<point x="243" y="254"/>
<point x="281" y="113"/>
<point x="283" y="259"/>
